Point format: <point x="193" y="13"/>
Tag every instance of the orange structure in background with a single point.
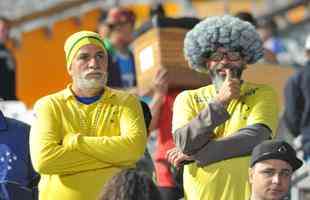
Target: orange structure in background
<point x="41" y="65"/>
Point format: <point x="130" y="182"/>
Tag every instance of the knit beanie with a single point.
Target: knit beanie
<point x="79" y="39"/>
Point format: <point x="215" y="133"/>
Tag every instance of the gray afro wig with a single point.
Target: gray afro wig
<point x="221" y="31"/>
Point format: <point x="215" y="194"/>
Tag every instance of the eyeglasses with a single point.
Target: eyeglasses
<point x="230" y="55"/>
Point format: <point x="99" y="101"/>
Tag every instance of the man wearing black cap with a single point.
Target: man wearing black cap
<point x="272" y="165"/>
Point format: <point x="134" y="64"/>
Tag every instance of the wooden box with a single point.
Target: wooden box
<point x="162" y="47"/>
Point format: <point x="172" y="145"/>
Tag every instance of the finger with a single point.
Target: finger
<point x="170" y="152"/>
<point x="179" y="160"/>
<point x="235" y="80"/>
<point x="162" y="73"/>
<point x="228" y="75"/>
<point x="170" y="158"/>
<point x="172" y="155"/>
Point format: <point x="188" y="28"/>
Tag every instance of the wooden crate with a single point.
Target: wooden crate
<point x="163" y="47"/>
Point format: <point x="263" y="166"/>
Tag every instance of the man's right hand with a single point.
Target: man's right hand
<point x="160" y="81"/>
<point x="229" y="90"/>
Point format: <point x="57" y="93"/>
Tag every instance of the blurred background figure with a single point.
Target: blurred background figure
<point x="157" y="9"/>
<point x="18" y="180"/>
<point x="117" y="26"/>
<point x="269" y="56"/>
<point x="7" y="64"/>
<point x="168" y="179"/>
<point x="145" y="163"/>
<point x="130" y="184"/>
<point x="161" y="107"/>
<point x="307" y="49"/>
<point x="297" y="104"/>
<point x="268" y="30"/>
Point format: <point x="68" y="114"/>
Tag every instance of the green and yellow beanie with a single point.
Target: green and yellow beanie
<point x="79" y="39"/>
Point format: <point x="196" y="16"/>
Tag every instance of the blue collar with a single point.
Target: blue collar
<point x="88" y="100"/>
<point x="3" y="124"/>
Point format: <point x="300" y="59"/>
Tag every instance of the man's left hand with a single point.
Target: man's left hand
<point x="176" y="157"/>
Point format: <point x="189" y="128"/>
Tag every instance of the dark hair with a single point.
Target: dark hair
<point x="270" y="24"/>
<point x="146" y="113"/>
<point x="117" y="16"/>
<point x="157" y="10"/>
<point x="246" y="16"/>
<point x="102" y="17"/>
<point x="130" y="184"/>
<point x="5" y="20"/>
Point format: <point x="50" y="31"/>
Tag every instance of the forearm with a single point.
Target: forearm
<point x="155" y="107"/>
<point x="198" y="132"/>
<point x="239" y="144"/>
<point x="114" y="150"/>
<point x="51" y="158"/>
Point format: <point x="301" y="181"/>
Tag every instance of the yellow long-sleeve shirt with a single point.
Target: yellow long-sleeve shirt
<point x="76" y="147"/>
<point x="226" y="179"/>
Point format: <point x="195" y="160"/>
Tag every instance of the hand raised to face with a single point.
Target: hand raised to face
<point x="229" y="90"/>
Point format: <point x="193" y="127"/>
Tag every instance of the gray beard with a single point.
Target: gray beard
<point x="93" y="84"/>
<point x="217" y="81"/>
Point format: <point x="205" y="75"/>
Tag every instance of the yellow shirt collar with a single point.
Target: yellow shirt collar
<point x="69" y="94"/>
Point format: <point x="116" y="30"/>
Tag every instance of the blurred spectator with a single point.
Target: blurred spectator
<point x="7" y="64"/>
<point x="272" y="165"/>
<point x="117" y="28"/>
<point x="130" y="184"/>
<point x="307" y="48"/>
<point x="157" y="9"/>
<point x="217" y="126"/>
<point x="297" y="104"/>
<point x="18" y="180"/>
<point x="161" y="108"/>
<point x="146" y="163"/>
<point x="268" y="31"/>
<point x="269" y="56"/>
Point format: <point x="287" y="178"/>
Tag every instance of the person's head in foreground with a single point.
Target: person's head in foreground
<point x="272" y="165"/>
<point x="130" y="184"/>
<point x="220" y="44"/>
<point x="87" y="62"/>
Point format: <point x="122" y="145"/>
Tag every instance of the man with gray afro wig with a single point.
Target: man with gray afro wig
<point x="216" y="127"/>
<point x="228" y="32"/>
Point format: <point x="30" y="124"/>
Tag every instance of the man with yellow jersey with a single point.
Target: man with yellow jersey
<point x="216" y="127"/>
<point x="88" y="132"/>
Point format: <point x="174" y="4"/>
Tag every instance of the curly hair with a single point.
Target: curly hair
<point x="130" y="184"/>
<point x="221" y="31"/>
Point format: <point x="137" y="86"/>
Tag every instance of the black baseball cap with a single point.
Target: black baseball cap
<point x="275" y="149"/>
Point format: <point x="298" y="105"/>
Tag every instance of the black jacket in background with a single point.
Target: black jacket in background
<point x="297" y="105"/>
<point x="7" y="74"/>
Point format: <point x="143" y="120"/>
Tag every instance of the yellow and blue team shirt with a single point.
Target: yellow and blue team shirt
<point x="77" y="147"/>
<point x="227" y="179"/>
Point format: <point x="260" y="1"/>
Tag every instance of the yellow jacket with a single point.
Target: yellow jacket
<point x="76" y="147"/>
<point x="226" y="179"/>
